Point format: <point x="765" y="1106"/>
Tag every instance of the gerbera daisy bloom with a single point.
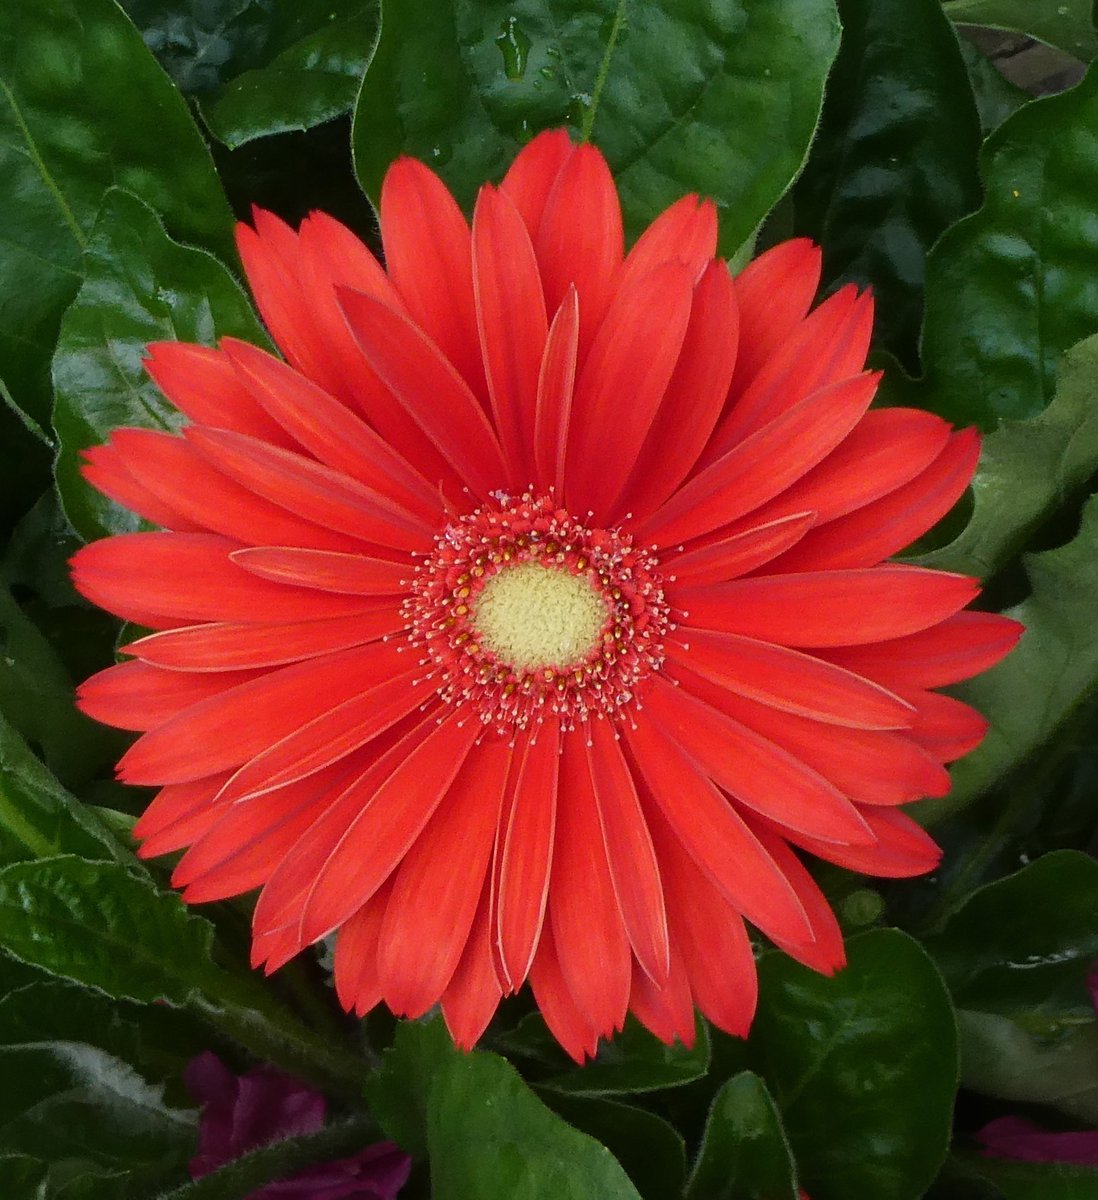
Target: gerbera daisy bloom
<point x="522" y="622"/>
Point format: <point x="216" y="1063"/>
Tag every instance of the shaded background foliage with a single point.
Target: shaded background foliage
<point x="905" y="136"/>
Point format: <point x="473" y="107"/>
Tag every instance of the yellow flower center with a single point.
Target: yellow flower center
<point x="534" y="616"/>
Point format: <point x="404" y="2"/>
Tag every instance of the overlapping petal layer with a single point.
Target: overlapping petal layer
<point x="695" y="453"/>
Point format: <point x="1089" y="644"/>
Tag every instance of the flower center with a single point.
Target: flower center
<point x="521" y="612"/>
<point x="531" y="615"/>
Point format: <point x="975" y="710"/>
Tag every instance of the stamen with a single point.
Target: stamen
<point x="524" y="612"/>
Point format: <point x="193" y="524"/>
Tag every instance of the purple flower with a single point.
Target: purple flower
<point x="242" y="1112"/>
<point x="1014" y="1137"/>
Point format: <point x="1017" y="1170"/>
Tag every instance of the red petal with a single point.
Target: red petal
<point x="270" y="256"/>
<point x="431" y="391"/>
<point x="356" y="977"/>
<point x="328" y="430"/>
<point x="240" y="722"/>
<point x="330" y="736"/>
<point x="961" y="646"/>
<point x="870" y="534"/>
<point x="136" y="696"/>
<point x="903" y="848"/>
<point x="774" y="293"/>
<point x="311" y="490"/>
<point x="512" y="322"/>
<point x="104" y="469"/>
<point x="169" y="468"/>
<point x="886" y="449"/>
<point x="527" y="854"/>
<point x="685" y="233"/>
<point x="566" y="1020"/>
<point x="172" y="810"/>
<point x="944" y="726"/>
<point x="708" y="828"/>
<point x="793" y="682"/>
<point x="668" y="1012"/>
<point x="629" y="852"/>
<point x="189" y="576"/>
<point x="870" y="767"/>
<point x="232" y="647"/>
<point x="764" y="465"/>
<point x="592" y="947"/>
<point x="429" y="259"/>
<point x="632" y="355"/>
<point x="827" y="608"/>
<point x="757" y="772"/>
<point x="694" y="396"/>
<point x="473" y="994"/>
<point x="553" y="409"/>
<point x="826" y="954"/>
<point x="709" y="934"/>
<point x="580" y="238"/>
<point x="202" y="384"/>
<point x="438" y="886"/>
<point x="390" y="820"/>
<point x="348" y="574"/>
<point x="827" y="347"/>
<point x="531" y="176"/>
<point x="731" y="557"/>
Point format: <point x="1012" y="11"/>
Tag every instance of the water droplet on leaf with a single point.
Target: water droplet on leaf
<point x="514" y="45"/>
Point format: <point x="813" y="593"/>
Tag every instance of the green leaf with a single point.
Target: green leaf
<point x="1029" y="695"/>
<point x="141" y="287"/>
<point x="311" y="81"/>
<point x="636" y="1061"/>
<point x="730" y="97"/>
<point x="1041" y="1181"/>
<point x="894" y="161"/>
<point x="649" y="1149"/>
<point x="83" y="105"/>
<point x="844" y="1058"/>
<point x="490" y="1136"/>
<point x="996" y="97"/>
<point x="1028" y="469"/>
<point x="1021" y="946"/>
<point x="1016" y="957"/>
<point x="1066" y="23"/>
<point x="744" y="1154"/>
<point x="70" y="1100"/>
<point x="100" y="925"/>
<point x="1011" y="288"/>
<point x="38" y="817"/>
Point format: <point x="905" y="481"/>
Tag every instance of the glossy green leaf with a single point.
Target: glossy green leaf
<point x="1068" y="24"/>
<point x="101" y="925"/>
<point x="744" y="1154"/>
<point x="311" y="81"/>
<point x="1021" y="946"/>
<point x="649" y="1149"/>
<point x="728" y="104"/>
<point x="83" y="106"/>
<point x="636" y="1061"/>
<point x="844" y="1057"/>
<point x="894" y="161"/>
<point x="141" y="287"/>
<point x="490" y="1136"/>
<point x="1028" y="469"/>
<point x="38" y="817"/>
<point x="1011" y="288"/>
<point x="1054" y="668"/>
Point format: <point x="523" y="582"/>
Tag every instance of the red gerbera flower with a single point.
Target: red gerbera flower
<point x="519" y="623"/>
